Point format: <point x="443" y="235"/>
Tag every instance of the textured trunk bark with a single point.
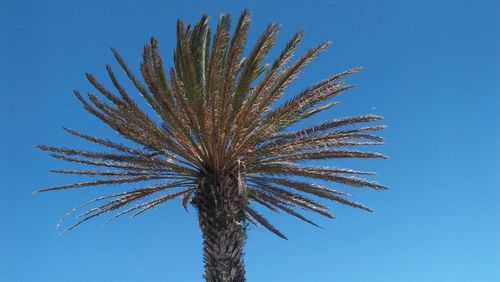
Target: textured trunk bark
<point x="222" y="224"/>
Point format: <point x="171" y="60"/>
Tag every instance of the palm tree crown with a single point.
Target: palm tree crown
<point x="217" y="137"/>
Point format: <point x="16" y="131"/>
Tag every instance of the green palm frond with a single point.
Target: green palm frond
<point x="214" y="113"/>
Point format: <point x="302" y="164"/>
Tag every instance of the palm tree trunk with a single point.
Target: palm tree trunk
<point x="222" y="220"/>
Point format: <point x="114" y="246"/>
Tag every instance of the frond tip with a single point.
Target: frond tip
<point x="214" y="109"/>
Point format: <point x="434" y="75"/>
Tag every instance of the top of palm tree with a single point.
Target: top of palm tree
<point x="215" y="111"/>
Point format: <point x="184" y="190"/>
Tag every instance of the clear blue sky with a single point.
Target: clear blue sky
<point x="430" y="67"/>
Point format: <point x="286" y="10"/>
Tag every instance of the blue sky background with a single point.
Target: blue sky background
<point x="430" y="67"/>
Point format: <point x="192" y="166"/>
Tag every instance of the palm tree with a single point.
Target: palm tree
<point x="217" y="139"/>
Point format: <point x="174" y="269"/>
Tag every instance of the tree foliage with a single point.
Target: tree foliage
<point x="216" y="110"/>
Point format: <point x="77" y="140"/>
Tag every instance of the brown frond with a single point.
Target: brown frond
<point x="101" y="182"/>
<point x="278" y="195"/>
<point x="260" y="219"/>
<point x="287" y="169"/>
<point x="121" y="199"/>
<point x="274" y="204"/>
